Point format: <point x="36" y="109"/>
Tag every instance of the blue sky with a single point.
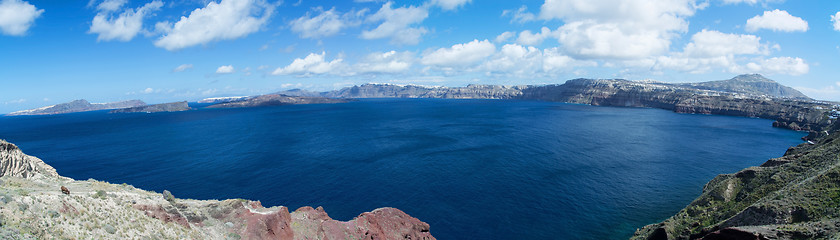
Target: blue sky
<point x="161" y="51"/>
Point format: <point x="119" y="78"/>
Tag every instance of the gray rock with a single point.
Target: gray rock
<point x="110" y="229"/>
<point x="168" y="196"/>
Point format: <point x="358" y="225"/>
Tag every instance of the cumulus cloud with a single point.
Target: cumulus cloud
<point x="459" y="54"/>
<point x="528" y="38"/>
<point x="111" y="5"/>
<point x="712" y="50"/>
<point x="710" y="43"/>
<point x="397" y="24"/>
<point x="225" y="69"/>
<point x="183" y="67"/>
<point x="449" y="5"/>
<point x="312" y="64"/>
<point x="836" y="20"/>
<point x="779" y="65"/>
<point x="385" y="62"/>
<point x="504" y="37"/>
<point x="778" y="21"/>
<point x="123" y="27"/>
<point x="520" y="15"/>
<point x="325" y="24"/>
<point x="528" y="61"/>
<point x="226" y="20"/>
<point x="16" y="17"/>
<point x="619" y="29"/>
<point x="752" y="2"/>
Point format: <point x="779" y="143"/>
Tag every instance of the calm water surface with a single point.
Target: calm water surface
<point x="473" y="169"/>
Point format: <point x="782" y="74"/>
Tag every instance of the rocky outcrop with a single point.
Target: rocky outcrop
<point x="36" y="203"/>
<point x="745" y="95"/>
<point x="788" y="113"/>
<point x="163" y="107"/>
<point x="792" y="197"/>
<point x="415" y="91"/>
<point x="276" y="99"/>
<point x="14" y="163"/>
<point x="753" y="84"/>
<point x="80" y="105"/>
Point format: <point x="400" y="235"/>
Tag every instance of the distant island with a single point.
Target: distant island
<point x="163" y="107"/>
<point x="749" y="95"/>
<point x="80" y="105"/>
<point x="275" y="100"/>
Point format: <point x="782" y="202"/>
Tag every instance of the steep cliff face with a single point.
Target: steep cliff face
<point x="796" y="196"/>
<point x="80" y="105"/>
<point x="277" y="99"/>
<point x="163" y="107"/>
<point x="14" y="163"/>
<point x="414" y="91"/>
<point x="788" y="113"/>
<point x="37" y="203"/>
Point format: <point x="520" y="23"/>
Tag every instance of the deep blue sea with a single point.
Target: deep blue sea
<point x="472" y="169"/>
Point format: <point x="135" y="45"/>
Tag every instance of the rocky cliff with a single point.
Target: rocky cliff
<point x="788" y="113"/>
<point x="80" y="105"/>
<point x="277" y="99"/>
<point x="415" y="91"/>
<point x="163" y="107"/>
<point x="746" y="95"/>
<point x="796" y="196"/>
<point x="37" y="203"/>
<point x="14" y="163"/>
<point x="754" y="84"/>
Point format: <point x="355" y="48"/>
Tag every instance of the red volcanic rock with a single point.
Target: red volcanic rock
<point x="383" y="223"/>
<point x="261" y="223"/>
<point x="250" y="220"/>
<point x="165" y="215"/>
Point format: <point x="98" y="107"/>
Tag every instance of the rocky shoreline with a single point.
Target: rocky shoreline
<point x="37" y="203"/>
<point x="796" y="196"/>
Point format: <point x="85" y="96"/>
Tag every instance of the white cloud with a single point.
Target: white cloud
<point x="528" y="38"/>
<point x="710" y="43"/>
<point x="17" y="16"/>
<point x="449" y="5"/>
<point x="526" y="61"/>
<point x="504" y="37"/>
<point x="619" y="29"/>
<point x="125" y="26"/>
<point x="312" y="64"/>
<point x="386" y="62"/>
<point x="825" y="93"/>
<point x="16" y="101"/>
<point x="520" y="15"/>
<point x="148" y="90"/>
<point x="182" y="67"/>
<point x="836" y="20"/>
<point x="325" y="24"/>
<point x="397" y="24"/>
<point x="711" y="50"/>
<point x="229" y="19"/>
<point x="111" y="5"/>
<point x="779" y="65"/>
<point x="460" y="54"/>
<point x="778" y="21"/>
<point x="225" y="69"/>
<point x="752" y="2"/>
